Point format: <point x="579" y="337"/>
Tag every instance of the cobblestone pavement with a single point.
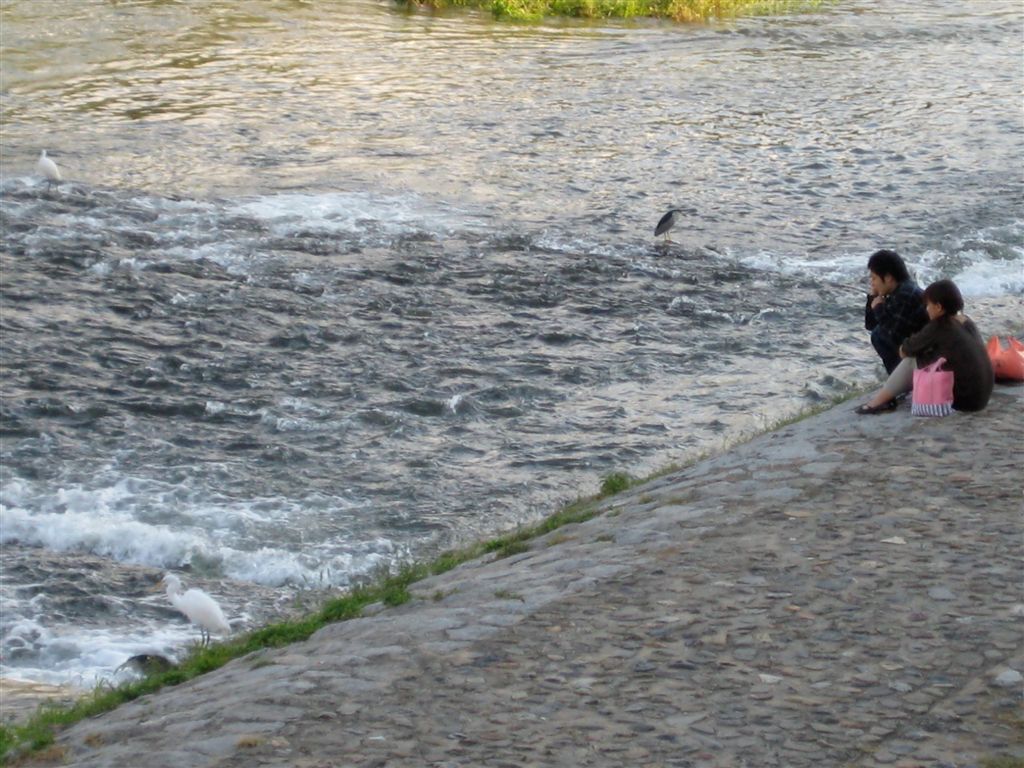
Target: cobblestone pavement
<point x="844" y="591"/>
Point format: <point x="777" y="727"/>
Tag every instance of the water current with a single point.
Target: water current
<point x="331" y="285"/>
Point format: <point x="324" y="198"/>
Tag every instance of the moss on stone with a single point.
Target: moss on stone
<point x="677" y="10"/>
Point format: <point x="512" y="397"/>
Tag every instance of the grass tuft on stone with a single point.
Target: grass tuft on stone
<point x="616" y="482"/>
<point x="1005" y="761"/>
<point x="676" y="10"/>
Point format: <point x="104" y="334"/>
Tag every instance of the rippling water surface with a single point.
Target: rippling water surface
<point x="330" y="285"/>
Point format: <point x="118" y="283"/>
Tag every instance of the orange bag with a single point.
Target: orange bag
<point x="1008" y="362"/>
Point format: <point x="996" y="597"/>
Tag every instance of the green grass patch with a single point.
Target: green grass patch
<point x="677" y="10"/>
<point x="616" y="482"/>
<point x="1002" y="762"/>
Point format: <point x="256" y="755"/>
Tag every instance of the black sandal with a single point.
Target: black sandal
<point x="870" y="410"/>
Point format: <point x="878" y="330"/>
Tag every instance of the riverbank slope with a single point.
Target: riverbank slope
<point x="845" y="590"/>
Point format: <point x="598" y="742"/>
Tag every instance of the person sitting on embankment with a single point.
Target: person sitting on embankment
<point x="894" y="310"/>
<point x="948" y="334"/>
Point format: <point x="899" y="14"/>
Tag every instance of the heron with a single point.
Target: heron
<point x="48" y="170"/>
<point x="667" y="223"/>
<point x="201" y="609"/>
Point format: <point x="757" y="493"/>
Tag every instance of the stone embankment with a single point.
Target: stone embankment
<point x="844" y="591"/>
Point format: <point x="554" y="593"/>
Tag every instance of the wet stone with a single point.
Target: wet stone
<point x="1009" y="678"/>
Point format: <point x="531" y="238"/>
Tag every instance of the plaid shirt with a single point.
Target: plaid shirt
<point x="900" y="314"/>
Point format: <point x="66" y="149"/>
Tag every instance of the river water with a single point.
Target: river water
<point x="331" y="285"/>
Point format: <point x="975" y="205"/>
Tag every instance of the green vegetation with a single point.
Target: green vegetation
<point x="387" y="587"/>
<point x="1002" y="762"/>
<point x="677" y="10"/>
<point x="616" y="482"/>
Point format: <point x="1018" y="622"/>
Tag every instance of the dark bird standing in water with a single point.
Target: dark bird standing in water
<point x="668" y="223"/>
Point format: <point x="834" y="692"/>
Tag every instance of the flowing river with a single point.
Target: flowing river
<point x="328" y="286"/>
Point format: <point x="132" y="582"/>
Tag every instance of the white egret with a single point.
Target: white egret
<point x="48" y="169"/>
<point x="668" y="223"/>
<point x="201" y="609"/>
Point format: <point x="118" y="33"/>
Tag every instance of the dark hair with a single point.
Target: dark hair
<point x="946" y="295"/>
<point x="886" y="262"/>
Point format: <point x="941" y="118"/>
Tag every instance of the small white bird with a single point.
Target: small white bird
<point x="48" y="169"/>
<point x="667" y="223"/>
<point x="201" y="609"/>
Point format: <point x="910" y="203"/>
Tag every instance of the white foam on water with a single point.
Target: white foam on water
<point x="559" y="242"/>
<point x="143" y="522"/>
<point x="126" y="540"/>
<point x="233" y="233"/>
<point x="83" y="657"/>
<point x="974" y="270"/>
<point x="236" y="257"/>
<point x="284" y="424"/>
<point x="292" y="414"/>
<point x="110" y="534"/>
<point x="354" y="213"/>
<point x="104" y="268"/>
<point x="37" y="645"/>
<point x="980" y="276"/>
<point x="302" y="405"/>
<point x="310" y="569"/>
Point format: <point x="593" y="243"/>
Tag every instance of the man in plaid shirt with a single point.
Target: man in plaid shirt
<point x="895" y="306"/>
